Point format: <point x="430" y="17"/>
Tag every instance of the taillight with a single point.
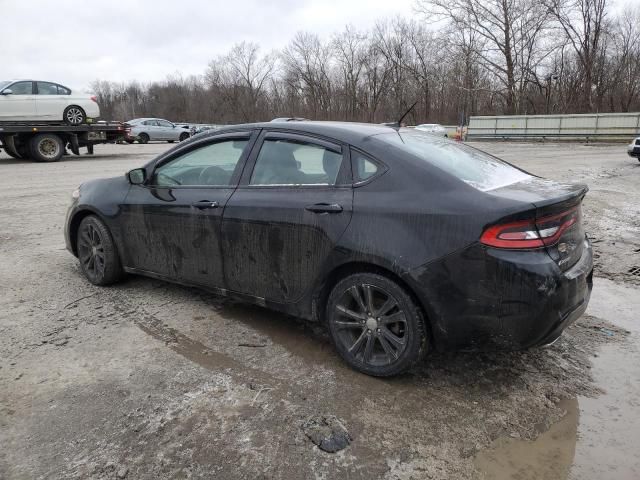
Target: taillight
<point x="529" y="234"/>
<point x="94" y="98"/>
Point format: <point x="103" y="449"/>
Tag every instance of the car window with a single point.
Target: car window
<point x="21" y="88"/>
<point x="150" y="123"/>
<point x="474" y="167"/>
<point x="292" y="162"/>
<point x="46" y="88"/>
<point x="164" y="123"/>
<point x="363" y="166"/>
<point x="63" y="90"/>
<point x="211" y="165"/>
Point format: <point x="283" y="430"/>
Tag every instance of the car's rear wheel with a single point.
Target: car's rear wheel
<point x="184" y="136"/>
<point x="46" y="147"/>
<point x="143" y="138"/>
<point x="375" y="325"/>
<point x="74" y="115"/>
<point x="97" y="253"/>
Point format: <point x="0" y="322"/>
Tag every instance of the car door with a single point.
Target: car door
<point x="50" y="102"/>
<point x="152" y="129"/>
<point x="171" y="224"/>
<point x="166" y="130"/>
<point x="283" y="221"/>
<point x="20" y="104"/>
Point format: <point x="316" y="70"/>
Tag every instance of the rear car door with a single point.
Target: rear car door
<point x="293" y="204"/>
<point x="50" y="101"/>
<point x="171" y="224"/>
<point x="20" y="104"/>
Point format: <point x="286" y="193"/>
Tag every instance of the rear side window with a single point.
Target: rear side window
<point x="476" y="168"/>
<point x="363" y="167"/>
<point x="293" y="162"/>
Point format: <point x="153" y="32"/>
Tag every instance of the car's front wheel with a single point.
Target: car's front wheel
<point x="184" y="136"/>
<point x="97" y="252"/>
<point x="375" y="325"/>
<point x="74" y="115"/>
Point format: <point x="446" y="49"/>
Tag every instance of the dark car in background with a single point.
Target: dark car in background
<point x="400" y="241"/>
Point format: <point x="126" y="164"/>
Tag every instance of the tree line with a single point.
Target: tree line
<point x="455" y="58"/>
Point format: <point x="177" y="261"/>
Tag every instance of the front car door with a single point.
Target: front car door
<point x="171" y="224"/>
<point x="293" y="204"/>
<point x="167" y="130"/>
<point x="20" y="104"/>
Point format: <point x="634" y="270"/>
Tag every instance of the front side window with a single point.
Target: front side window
<point x="211" y="165"/>
<point x="46" y="88"/>
<point x="21" y="88"/>
<point x="150" y="123"/>
<point x="293" y="162"/>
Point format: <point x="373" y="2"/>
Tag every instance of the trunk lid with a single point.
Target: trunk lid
<point x="557" y="206"/>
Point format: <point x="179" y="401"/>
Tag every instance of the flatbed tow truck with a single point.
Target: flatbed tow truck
<point x="48" y="142"/>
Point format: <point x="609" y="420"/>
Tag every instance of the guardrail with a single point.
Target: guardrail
<point x="596" y="126"/>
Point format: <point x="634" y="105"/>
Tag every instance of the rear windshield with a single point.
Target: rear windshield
<point x="478" y="169"/>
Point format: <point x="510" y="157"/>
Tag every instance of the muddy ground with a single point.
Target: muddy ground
<point x="151" y="380"/>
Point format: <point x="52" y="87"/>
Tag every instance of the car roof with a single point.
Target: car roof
<point x="348" y="132"/>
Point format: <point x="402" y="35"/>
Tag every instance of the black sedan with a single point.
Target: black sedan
<point x="398" y="240"/>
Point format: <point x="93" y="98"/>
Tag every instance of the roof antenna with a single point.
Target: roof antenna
<point x="398" y="124"/>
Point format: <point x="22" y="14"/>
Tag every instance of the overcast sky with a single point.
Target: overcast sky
<point x="74" y="43"/>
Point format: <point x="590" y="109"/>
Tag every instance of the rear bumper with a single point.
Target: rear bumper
<point x="484" y="298"/>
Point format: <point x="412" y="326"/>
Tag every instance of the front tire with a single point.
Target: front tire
<point x="74" y="115"/>
<point x="99" y="260"/>
<point x="46" y="147"/>
<point x="184" y="136"/>
<point x="375" y="325"/>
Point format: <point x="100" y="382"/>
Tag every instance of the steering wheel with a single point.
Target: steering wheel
<point x="212" y="176"/>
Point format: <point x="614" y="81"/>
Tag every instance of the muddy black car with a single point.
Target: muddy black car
<point x="400" y="241"/>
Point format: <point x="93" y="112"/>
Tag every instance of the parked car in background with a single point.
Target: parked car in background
<point x="633" y="149"/>
<point x="433" y="128"/>
<point x="146" y="130"/>
<point x="397" y="240"/>
<point x="36" y="100"/>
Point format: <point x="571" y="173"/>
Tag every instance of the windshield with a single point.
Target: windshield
<point x="478" y="169"/>
<point x="4" y="83"/>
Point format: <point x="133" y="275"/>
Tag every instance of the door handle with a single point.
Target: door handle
<point x="202" y="204"/>
<point x="324" y="208"/>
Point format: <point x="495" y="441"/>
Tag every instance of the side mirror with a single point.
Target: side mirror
<point x="137" y="176"/>
<point x="7" y="91"/>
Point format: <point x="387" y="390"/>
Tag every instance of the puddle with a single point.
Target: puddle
<point x="549" y="456"/>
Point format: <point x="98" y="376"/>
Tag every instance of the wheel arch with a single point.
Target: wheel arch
<point x="74" y="224"/>
<point x="344" y="270"/>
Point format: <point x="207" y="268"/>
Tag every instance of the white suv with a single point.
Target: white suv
<point x="34" y="100"/>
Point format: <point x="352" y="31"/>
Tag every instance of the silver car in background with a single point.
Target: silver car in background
<point x="633" y="149"/>
<point x="434" y="128"/>
<point x="156" y="129"/>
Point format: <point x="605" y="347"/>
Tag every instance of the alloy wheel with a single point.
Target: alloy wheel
<point x="371" y="325"/>
<point x="91" y="251"/>
<point x="75" y="116"/>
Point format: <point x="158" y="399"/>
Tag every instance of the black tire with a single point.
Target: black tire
<point x="143" y="138"/>
<point x="184" y="136"/>
<point x="46" y="147"/>
<point x="74" y="115"/>
<point x="381" y="333"/>
<point x="171" y="141"/>
<point x="99" y="260"/>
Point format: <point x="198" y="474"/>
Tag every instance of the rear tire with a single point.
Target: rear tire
<point x="375" y="325"/>
<point x="74" y="115"/>
<point x="46" y="147"/>
<point x="143" y="138"/>
<point x="99" y="260"/>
